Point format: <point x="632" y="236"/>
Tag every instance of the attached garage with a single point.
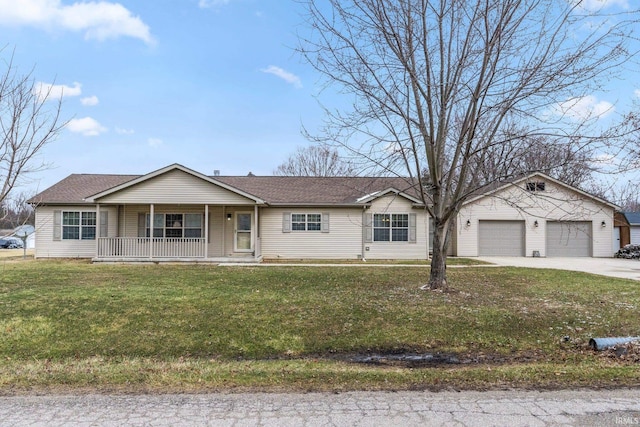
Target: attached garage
<point x="535" y="215"/>
<point x="501" y="238"/>
<point x="569" y="238"/>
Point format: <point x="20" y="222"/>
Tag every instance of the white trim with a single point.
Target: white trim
<point x="370" y="197"/>
<point x="235" y="232"/>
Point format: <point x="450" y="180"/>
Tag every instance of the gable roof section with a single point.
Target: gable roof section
<point x="497" y="187"/>
<point x="149" y="176"/>
<point x="632" y="217"/>
<point x="370" y="197"/>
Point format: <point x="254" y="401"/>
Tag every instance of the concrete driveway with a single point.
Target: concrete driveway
<point x="613" y="267"/>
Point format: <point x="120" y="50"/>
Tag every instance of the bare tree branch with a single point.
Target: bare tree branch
<point x="315" y="160"/>
<point x="438" y="87"/>
<point x="29" y="120"/>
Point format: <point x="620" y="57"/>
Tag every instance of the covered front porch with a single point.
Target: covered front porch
<point x="180" y="233"/>
<point x="176" y="214"/>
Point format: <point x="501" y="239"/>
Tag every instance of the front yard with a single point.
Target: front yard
<point x="70" y="325"/>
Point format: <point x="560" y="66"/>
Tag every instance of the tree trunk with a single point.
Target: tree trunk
<point x="438" y="275"/>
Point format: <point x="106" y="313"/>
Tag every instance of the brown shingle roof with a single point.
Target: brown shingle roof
<point x="74" y="188"/>
<point x="273" y="189"/>
<point x="313" y="190"/>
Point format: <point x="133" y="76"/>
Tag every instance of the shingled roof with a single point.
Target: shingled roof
<point x="632" y="217"/>
<point x="76" y="187"/>
<point x="273" y="189"/>
<point x="314" y="190"/>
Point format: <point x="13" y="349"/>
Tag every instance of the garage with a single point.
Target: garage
<point x="501" y="238"/>
<point x="569" y="238"/>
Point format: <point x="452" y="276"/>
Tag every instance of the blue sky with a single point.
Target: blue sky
<point x="210" y="84"/>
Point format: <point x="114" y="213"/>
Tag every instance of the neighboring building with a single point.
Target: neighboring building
<point x="176" y="213"/>
<point x="621" y="231"/>
<point x="633" y="218"/>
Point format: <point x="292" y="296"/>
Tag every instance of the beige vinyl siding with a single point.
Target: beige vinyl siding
<point x="47" y="247"/>
<point x="217" y="227"/>
<point x="556" y="203"/>
<point x="393" y="204"/>
<point x="343" y="241"/>
<point x="176" y="187"/>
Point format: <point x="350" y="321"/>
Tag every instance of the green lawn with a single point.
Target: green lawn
<point x="70" y="324"/>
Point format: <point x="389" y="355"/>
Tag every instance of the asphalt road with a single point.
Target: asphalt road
<point x="493" y="408"/>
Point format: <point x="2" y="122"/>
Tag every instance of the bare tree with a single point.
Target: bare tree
<point x="437" y="86"/>
<point x="29" y="120"/>
<point x="16" y="211"/>
<point x="556" y="157"/>
<point x="627" y="196"/>
<point x="315" y="160"/>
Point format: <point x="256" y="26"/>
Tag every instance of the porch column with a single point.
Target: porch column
<point x="224" y="231"/>
<point x="255" y="232"/>
<point x="151" y="224"/>
<point x="206" y="231"/>
<point x="97" y="229"/>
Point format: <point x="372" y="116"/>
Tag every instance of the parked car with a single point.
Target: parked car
<point x="11" y="244"/>
<point x="16" y="244"/>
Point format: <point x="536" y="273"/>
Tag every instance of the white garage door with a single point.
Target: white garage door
<point x="501" y="238"/>
<point x="569" y="239"/>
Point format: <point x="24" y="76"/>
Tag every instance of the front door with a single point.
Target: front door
<point x="243" y="233"/>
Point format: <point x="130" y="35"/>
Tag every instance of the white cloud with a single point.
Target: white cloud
<point x="154" y="142"/>
<point x="284" y="75"/>
<point x="637" y="93"/>
<point x="582" y="108"/>
<point x="86" y="126"/>
<point x="121" y="131"/>
<point x="205" y="4"/>
<point x="90" y="101"/>
<point x="98" y="20"/>
<point x="50" y="91"/>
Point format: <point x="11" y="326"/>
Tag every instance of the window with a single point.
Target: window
<point x="306" y="222"/>
<point x="78" y="225"/>
<point x="175" y="225"/>
<point x="535" y="186"/>
<point x="391" y="227"/>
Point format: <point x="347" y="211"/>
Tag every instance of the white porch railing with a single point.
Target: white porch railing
<point x="144" y="247"/>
